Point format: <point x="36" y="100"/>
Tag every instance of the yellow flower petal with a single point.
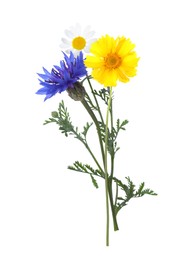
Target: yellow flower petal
<point x="121" y="75"/>
<point x="110" y="79"/>
<point x="98" y="74"/>
<point x="93" y="62"/>
<point x="130" y="60"/>
<point x="126" y="47"/>
<point x="97" y="50"/>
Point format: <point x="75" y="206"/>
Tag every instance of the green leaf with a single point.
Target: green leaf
<point x="103" y="94"/>
<point x="141" y="191"/>
<point x="131" y="188"/>
<point x="63" y="120"/>
<point x="130" y="192"/>
<point x="85" y="168"/>
<point x="141" y="187"/>
<point x="125" y="122"/>
<point x="94" y="182"/>
<point x="86" y="128"/>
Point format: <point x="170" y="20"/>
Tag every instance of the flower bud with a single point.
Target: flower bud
<point x="78" y="92"/>
<point x="54" y="114"/>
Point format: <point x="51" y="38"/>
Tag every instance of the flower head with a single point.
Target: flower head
<point x="112" y="60"/>
<point x="77" y="40"/>
<point x="62" y="77"/>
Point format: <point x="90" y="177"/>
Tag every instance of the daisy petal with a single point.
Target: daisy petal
<point x="65" y="41"/>
<point x="77" y="29"/>
<point x="64" y="45"/>
<point x="69" y="34"/>
<point x="88" y="34"/>
<point x="86" y="30"/>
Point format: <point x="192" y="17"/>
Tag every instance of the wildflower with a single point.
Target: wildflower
<point x="77" y="40"/>
<point x="112" y="60"/>
<point x="62" y="77"/>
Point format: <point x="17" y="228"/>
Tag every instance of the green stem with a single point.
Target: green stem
<point x="97" y="104"/>
<point x="106" y="169"/>
<point x="115" y="224"/>
<point x="112" y="158"/>
<point x="112" y="155"/>
<point x="109" y="188"/>
<point x="111" y="178"/>
<point x="89" y="110"/>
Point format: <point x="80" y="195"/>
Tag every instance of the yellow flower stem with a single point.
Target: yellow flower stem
<point x="106" y="168"/>
<point x="111" y="177"/>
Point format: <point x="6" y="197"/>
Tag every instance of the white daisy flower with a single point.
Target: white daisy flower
<point x="77" y="39"/>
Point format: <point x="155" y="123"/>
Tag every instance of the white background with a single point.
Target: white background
<point x="48" y="212"/>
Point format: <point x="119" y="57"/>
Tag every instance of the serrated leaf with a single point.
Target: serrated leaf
<point x="94" y="182"/>
<point x="149" y="192"/>
<point x="125" y="122"/>
<point x="141" y="187"/>
<point x="85" y="168"/>
<point x="141" y="191"/>
<point x="86" y="128"/>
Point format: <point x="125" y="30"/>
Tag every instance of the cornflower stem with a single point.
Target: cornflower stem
<point x="96" y="101"/>
<point x="89" y="110"/>
<point x="106" y="168"/>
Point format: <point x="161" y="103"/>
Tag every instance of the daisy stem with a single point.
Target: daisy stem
<point x="106" y="169"/>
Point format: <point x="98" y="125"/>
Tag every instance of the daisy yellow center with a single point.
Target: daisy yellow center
<point x="112" y="61"/>
<point x="78" y="43"/>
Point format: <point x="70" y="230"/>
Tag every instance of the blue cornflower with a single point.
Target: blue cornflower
<point x="62" y="77"/>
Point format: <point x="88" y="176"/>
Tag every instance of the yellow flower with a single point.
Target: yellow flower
<point x="112" y="60"/>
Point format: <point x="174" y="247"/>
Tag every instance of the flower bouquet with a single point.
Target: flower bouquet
<point x="108" y="60"/>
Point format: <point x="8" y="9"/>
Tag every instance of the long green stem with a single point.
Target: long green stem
<point x="89" y="110"/>
<point x="111" y="177"/>
<point x="96" y="101"/>
<point x="106" y="168"/>
<point x="112" y="154"/>
<point x="109" y="180"/>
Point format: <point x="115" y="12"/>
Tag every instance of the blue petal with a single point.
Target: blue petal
<point x="62" y="76"/>
<point x="43" y="76"/>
